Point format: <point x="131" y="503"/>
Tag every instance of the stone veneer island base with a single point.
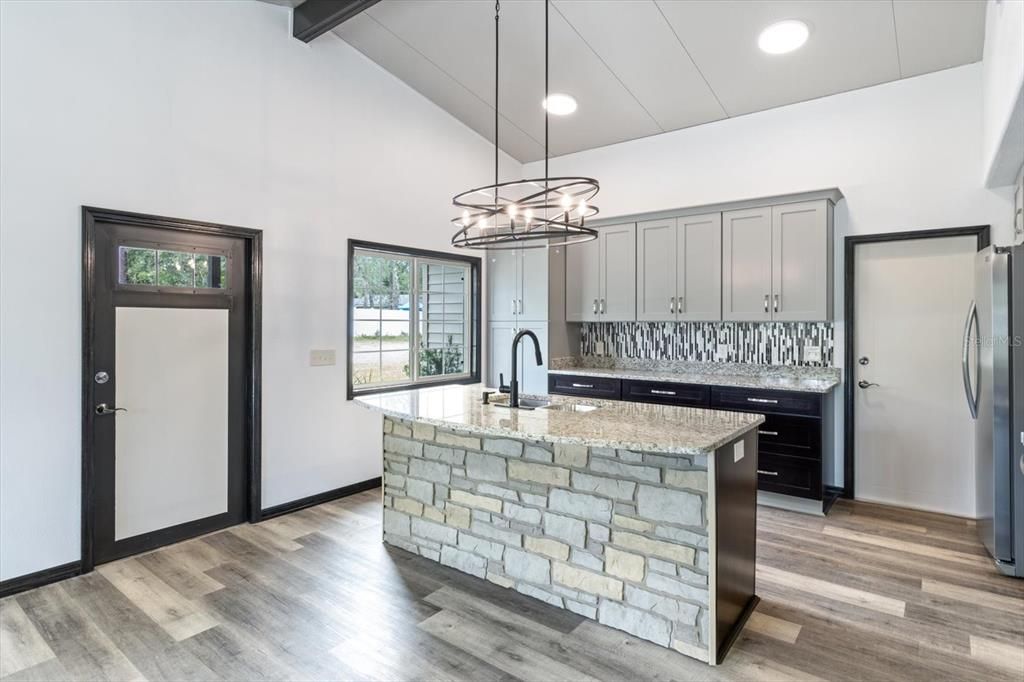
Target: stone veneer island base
<point x="642" y="517"/>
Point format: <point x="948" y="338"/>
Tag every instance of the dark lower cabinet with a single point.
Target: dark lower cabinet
<point x="686" y="395"/>
<point x="585" y="387"/>
<point x="790" y="442"/>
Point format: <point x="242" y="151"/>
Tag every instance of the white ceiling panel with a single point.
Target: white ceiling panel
<point x="640" y="67"/>
<point x="458" y="36"/>
<point x="938" y="34"/>
<point x="852" y="45"/>
<point x="641" y="49"/>
<point x="382" y="46"/>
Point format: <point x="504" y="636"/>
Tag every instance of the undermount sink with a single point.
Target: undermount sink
<point x="568" y="407"/>
<point x="533" y="404"/>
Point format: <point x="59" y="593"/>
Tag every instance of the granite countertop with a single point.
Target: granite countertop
<point x="612" y="424"/>
<point x="766" y="380"/>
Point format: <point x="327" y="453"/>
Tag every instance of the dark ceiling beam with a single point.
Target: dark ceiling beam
<point x="316" y="17"/>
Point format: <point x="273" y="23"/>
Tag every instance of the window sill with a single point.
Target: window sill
<point x="352" y="394"/>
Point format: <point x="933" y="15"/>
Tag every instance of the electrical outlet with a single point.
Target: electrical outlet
<point x="599" y="347"/>
<point x="812" y="353"/>
<point x="723" y="351"/>
<point x="321" y="358"/>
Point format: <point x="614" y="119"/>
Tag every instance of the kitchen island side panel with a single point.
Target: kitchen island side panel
<point x="617" y="536"/>
<point x="733" y="538"/>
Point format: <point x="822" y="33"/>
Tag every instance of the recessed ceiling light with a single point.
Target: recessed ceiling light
<point x="559" y="104"/>
<point x="783" y="37"/>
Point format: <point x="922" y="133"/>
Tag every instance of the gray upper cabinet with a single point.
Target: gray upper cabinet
<point x="679" y="268"/>
<point x="582" y="281"/>
<point x="502" y="286"/>
<point x="777" y="263"/>
<point x="517" y="285"/>
<point x="802" y="261"/>
<point x="699" y="267"/>
<point x="656" y="270"/>
<point x="618" y="273"/>
<point x="747" y="264"/>
<point x="533" y="284"/>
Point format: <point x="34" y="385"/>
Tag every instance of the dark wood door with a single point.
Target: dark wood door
<point x="167" y="381"/>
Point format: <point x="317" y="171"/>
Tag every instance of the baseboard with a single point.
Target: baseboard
<point x="319" y="498"/>
<point x="39" y="578"/>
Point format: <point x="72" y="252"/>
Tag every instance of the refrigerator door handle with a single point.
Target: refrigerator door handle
<point x="972" y="321"/>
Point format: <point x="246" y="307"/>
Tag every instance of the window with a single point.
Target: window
<point x="144" y="266"/>
<point x="412" y="318"/>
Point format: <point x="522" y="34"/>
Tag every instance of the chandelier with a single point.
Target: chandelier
<point x="525" y="214"/>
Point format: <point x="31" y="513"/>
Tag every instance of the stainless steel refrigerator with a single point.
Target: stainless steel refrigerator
<point x="993" y="347"/>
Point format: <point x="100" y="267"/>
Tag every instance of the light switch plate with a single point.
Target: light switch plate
<point x="737" y="451"/>
<point x="812" y="353"/>
<point x="723" y="351"/>
<point x="322" y="358"/>
<point x="599" y="347"/>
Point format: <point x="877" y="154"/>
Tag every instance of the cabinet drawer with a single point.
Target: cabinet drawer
<point x="766" y="402"/>
<point x="793" y="436"/>
<point x="666" y="393"/>
<point x="789" y="475"/>
<point x="586" y="387"/>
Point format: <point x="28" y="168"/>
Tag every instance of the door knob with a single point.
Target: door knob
<point x="866" y="384"/>
<point x="103" y="408"/>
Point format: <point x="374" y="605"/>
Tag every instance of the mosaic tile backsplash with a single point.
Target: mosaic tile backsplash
<point x="760" y="343"/>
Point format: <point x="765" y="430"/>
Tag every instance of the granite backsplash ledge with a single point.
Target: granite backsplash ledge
<point x="660" y="345"/>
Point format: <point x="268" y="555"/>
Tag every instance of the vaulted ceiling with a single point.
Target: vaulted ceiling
<point x="642" y="67"/>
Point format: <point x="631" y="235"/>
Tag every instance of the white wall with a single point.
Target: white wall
<point x="1003" y="84"/>
<point x="907" y="155"/>
<point x="210" y="111"/>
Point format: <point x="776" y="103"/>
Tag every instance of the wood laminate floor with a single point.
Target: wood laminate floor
<point x="868" y="593"/>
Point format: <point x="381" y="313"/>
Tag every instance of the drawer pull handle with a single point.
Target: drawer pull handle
<point x="768" y="433"/>
<point x="657" y="392"/>
<point x="768" y="473"/>
<point x="768" y="401"/>
<point x="583" y="385"/>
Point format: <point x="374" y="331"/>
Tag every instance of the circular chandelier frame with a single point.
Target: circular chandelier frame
<point x="525" y="214"/>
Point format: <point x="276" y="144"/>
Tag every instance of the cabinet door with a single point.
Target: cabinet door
<point x="533" y="378"/>
<point x="499" y="352"/>
<point x="801" y="262"/>
<point x="533" y="284"/>
<point x="699" y="267"/>
<point x="746" y="264"/>
<point x="618" y="273"/>
<point x="656" y="270"/>
<point x="582" y="281"/>
<point x="501" y="285"/>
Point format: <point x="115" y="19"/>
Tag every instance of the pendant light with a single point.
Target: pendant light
<point x="525" y="214"/>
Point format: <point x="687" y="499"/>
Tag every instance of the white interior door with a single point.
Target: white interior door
<point x="914" y="436"/>
<point x="171" y="445"/>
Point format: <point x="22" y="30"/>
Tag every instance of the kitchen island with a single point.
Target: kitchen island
<point x="642" y="517"/>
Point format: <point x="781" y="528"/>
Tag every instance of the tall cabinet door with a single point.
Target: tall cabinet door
<point x="582" y="281"/>
<point x="499" y="350"/>
<point x="801" y="262"/>
<point x="533" y="284"/>
<point x="656" y="270"/>
<point x="618" y="273"/>
<point x="533" y="378"/>
<point x="699" y="267"/>
<point x="746" y="264"/>
<point x="501" y="285"/>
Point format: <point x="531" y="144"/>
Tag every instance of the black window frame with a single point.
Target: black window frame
<point x="475" y="264"/>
